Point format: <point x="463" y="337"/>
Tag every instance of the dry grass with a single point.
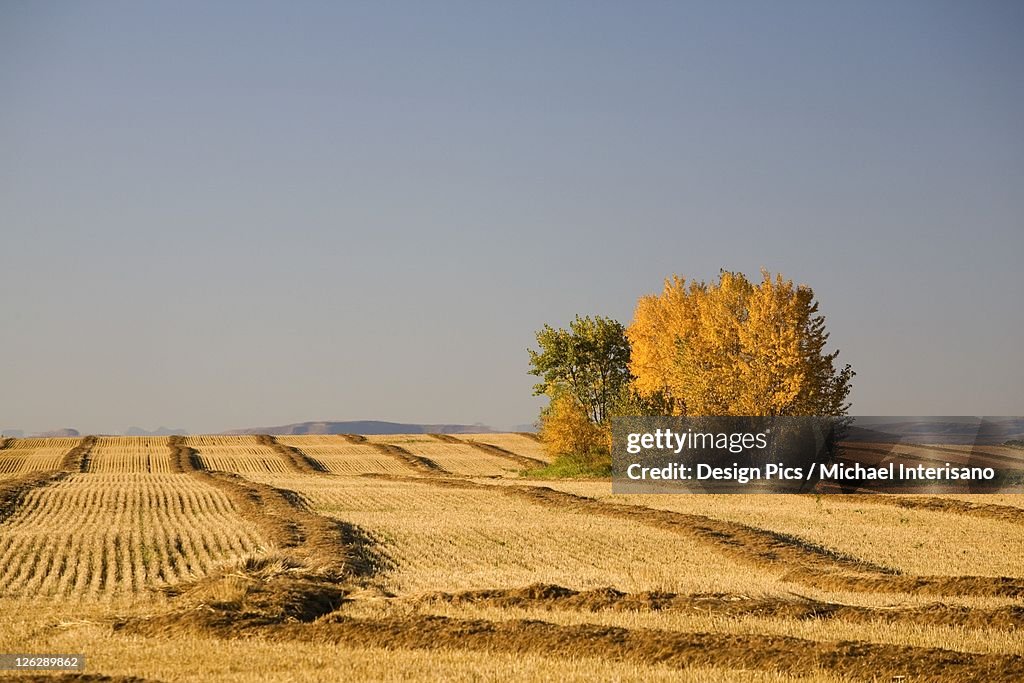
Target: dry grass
<point x="200" y="658"/>
<point x="339" y="456"/>
<point x="400" y="439"/>
<point x="242" y="454"/>
<point x="88" y="535"/>
<point x="516" y="443"/>
<point x="21" y="456"/>
<point x="448" y="539"/>
<point x="320" y="574"/>
<point x="459" y="458"/>
<point x="882" y="631"/>
<point x="130" y="455"/>
<point x="911" y="541"/>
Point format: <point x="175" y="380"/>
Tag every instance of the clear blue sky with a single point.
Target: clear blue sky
<point x="220" y="215"/>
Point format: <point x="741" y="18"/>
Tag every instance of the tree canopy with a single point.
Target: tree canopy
<point x="736" y="348"/>
<point x="589" y="361"/>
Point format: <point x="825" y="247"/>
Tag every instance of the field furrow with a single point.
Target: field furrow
<point x="95" y="532"/>
<point x="130" y="455"/>
<point x="850" y="659"/>
<point x="461" y="458"/>
<point x="916" y="541"/>
<point x="295" y="458"/>
<point x="339" y="455"/>
<point x="518" y="460"/>
<point x="22" y="456"/>
<point x="416" y="463"/>
<point x="438" y="544"/>
<point x="523" y="444"/>
<point x="797" y="559"/>
<point x="243" y="454"/>
<point x="442" y="538"/>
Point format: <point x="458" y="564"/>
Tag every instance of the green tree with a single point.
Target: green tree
<point x="589" y="361"/>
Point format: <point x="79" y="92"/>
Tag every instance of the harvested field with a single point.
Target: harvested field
<point x="490" y="449"/>
<point x="442" y="538"/>
<point x="462" y="458"/>
<point x="210" y="658"/>
<point x="752" y="617"/>
<point x="244" y="454"/>
<point x="1010" y="500"/>
<point x="855" y="660"/>
<point x="552" y="597"/>
<point x="519" y="444"/>
<point x="400" y="439"/>
<point x="918" y="541"/>
<point x="988" y="507"/>
<point x="130" y="455"/>
<point x="21" y="456"/>
<point x="87" y="535"/>
<point x="431" y="555"/>
<point x="1002" y="451"/>
<point x="931" y="456"/>
<point x="340" y="456"/>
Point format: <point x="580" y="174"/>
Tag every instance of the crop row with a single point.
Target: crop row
<point x="22" y="456"/>
<point x="96" y="533"/>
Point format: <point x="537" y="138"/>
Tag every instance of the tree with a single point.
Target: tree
<point x="567" y="432"/>
<point x="589" y="361"/>
<point x="734" y="348"/>
<point x="658" y="323"/>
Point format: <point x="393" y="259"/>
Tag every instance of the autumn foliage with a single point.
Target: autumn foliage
<point x="736" y="348"/>
<point x="731" y="347"/>
<point x="567" y="432"/>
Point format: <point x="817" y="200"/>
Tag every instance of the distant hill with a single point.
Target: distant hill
<point x="364" y="427"/>
<point x="159" y="431"/>
<point x="58" y="432"/>
<point x="962" y="431"/>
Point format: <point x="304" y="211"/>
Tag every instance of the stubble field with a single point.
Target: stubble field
<point x="412" y="557"/>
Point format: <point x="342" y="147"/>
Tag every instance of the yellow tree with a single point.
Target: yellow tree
<point x="706" y="372"/>
<point x="733" y="348"/>
<point x="568" y="432"/>
<point x="659" y="324"/>
<point x="773" y="359"/>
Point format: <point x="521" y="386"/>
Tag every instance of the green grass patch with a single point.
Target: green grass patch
<point x="574" y="467"/>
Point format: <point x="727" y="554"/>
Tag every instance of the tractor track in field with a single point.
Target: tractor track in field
<point x="79" y="457"/>
<point x="490" y="449"/>
<point x="977" y="452"/>
<point x="14" y="490"/>
<point x="799" y="560"/>
<point x="853" y="659"/>
<point x="932" y="454"/>
<point x="184" y="458"/>
<point x="296" y="459"/>
<point x="25" y="677"/>
<point x="313" y="561"/>
<point x="294" y="591"/>
<point x="1004" y="513"/>
<point x="416" y="463"/>
<point x="554" y="597"/>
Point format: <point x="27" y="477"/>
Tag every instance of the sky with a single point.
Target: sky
<point x="227" y="215"/>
